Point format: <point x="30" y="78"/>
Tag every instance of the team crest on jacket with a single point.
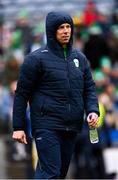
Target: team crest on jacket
<point x="76" y="61"/>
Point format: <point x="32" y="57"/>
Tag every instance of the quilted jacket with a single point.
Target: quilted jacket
<point x="59" y="89"/>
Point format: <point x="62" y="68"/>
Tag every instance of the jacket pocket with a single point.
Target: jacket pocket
<point x="42" y="105"/>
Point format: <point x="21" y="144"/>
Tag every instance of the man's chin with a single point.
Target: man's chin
<point x="65" y="41"/>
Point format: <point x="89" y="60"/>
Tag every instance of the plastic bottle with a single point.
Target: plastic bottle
<point x="93" y="135"/>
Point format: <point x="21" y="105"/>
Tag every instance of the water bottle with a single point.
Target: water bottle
<point x="93" y="135"/>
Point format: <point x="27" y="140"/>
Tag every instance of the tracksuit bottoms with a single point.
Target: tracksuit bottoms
<point x="54" y="149"/>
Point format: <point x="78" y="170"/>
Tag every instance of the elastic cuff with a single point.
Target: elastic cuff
<point x="18" y="129"/>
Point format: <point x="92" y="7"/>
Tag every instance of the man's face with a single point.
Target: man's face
<point x="63" y="33"/>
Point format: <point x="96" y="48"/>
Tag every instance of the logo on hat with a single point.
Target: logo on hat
<point x="76" y="61"/>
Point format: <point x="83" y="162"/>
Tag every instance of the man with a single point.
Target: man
<point x="57" y="82"/>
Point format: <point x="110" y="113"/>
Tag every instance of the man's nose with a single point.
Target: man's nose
<point x="65" y="29"/>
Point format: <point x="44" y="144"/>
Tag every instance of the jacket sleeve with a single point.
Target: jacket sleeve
<point x="28" y="76"/>
<point x="90" y="95"/>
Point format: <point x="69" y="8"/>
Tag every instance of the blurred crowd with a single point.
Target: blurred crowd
<point x="96" y="34"/>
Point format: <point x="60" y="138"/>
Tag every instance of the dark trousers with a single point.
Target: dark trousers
<point x="54" y="150"/>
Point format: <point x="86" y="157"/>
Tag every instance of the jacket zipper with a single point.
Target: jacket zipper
<point x="69" y="84"/>
<point x="69" y="108"/>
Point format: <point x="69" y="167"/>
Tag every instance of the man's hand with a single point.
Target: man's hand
<point x="20" y="136"/>
<point x="92" y="120"/>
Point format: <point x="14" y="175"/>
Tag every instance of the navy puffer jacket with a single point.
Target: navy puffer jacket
<point x="58" y="89"/>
